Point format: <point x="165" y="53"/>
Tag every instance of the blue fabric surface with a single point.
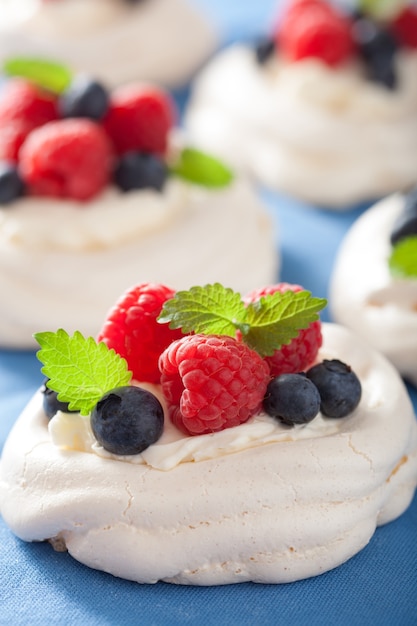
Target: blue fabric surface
<point x="378" y="586"/>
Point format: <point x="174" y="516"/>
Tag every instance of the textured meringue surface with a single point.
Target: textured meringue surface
<point x="263" y="511"/>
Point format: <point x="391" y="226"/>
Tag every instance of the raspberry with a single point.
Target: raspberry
<point x="66" y="159"/>
<point x="313" y="28"/>
<point x="405" y="27"/>
<point x="301" y="352"/>
<point x="23" y="101"/>
<point x="23" y="107"/>
<point x="12" y="136"/>
<point x="132" y="331"/>
<point x="139" y="118"/>
<point x="211" y="383"/>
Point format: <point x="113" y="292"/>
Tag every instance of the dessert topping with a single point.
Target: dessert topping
<point x="339" y="388"/>
<point x="211" y="382"/>
<point x="66" y="159"/>
<point x="301" y="352"/>
<point x="127" y="420"/>
<point x="292" y="399"/>
<point x="321" y="29"/>
<point x="118" y="137"/>
<point x="132" y="330"/>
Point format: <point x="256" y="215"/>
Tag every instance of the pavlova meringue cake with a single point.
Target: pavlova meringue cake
<point x="373" y="288"/>
<point x="327" y="106"/>
<point x="91" y="206"/>
<point x="116" y="40"/>
<point x="197" y="483"/>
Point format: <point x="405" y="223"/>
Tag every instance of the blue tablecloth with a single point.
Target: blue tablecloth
<point x="377" y="587"/>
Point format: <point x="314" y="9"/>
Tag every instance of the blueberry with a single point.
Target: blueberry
<point x="339" y="388"/>
<point x="127" y="420"/>
<point x="51" y="404"/>
<point x="264" y="49"/>
<point x="11" y="184"/>
<point x="84" y="98"/>
<point x="137" y="170"/>
<point x="292" y="398"/>
<point x="377" y="46"/>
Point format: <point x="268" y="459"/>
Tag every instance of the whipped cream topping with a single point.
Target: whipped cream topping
<point x="63" y="264"/>
<point x="271" y="512"/>
<point x="162" y="41"/>
<point x="365" y="297"/>
<point x="328" y="136"/>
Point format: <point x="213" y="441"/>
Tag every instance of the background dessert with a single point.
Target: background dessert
<point x="380" y="578"/>
<point x="330" y="120"/>
<point x="91" y="205"/>
<point x="367" y="295"/>
<point x="116" y="40"/>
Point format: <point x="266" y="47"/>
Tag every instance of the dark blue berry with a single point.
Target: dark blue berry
<point x="377" y="46"/>
<point x="84" y="98"/>
<point x="406" y="223"/>
<point x="137" y="170"/>
<point x="11" y="184"/>
<point x="292" y="398"/>
<point x="51" y="404"/>
<point x="264" y="49"/>
<point x="339" y="388"/>
<point x="127" y="420"/>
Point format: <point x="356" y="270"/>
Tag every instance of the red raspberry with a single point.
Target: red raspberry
<point x="211" y="383"/>
<point x="139" y="118"/>
<point x="313" y="28"/>
<point x="405" y="27"/>
<point x="67" y="159"/>
<point x="132" y="331"/>
<point x="23" y="101"/>
<point x="12" y="136"/>
<point x="301" y="352"/>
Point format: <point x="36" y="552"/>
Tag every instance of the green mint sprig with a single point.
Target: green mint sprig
<point x="403" y="259"/>
<point x="50" y="75"/>
<point x="202" y="169"/>
<point x="79" y="369"/>
<point x="382" y="9"/>
<point x="265" y="325"/>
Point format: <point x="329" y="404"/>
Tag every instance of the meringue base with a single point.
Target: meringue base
<point x="268" y="513"/>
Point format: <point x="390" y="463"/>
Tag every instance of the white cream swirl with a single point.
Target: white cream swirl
<point x="365" y="297"/>
<point x="273" y="512"/>
<point x="158" y="40"/>
<point x="328" y="136"/>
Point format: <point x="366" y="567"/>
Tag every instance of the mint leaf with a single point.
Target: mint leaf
<point x="381" y="9"/>
<point x="202" y="169"/>
<point x="265" y="325"/>
<point x="80" y="370"/>
<point x="47" y="74"/>
<point x="277" y="319"/>
<point x="403" y="259"/>
<point x="211" y="310"/>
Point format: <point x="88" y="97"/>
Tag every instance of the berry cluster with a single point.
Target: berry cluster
<point x="210" y="381"/>
<point x="73" y="144"/>
<point x="319" y="29"/>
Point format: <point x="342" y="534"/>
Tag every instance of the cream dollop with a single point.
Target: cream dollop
<point x="63" y="264"/>
<point x="273" y="512"/>
<point x="163" y="41"/>
<point x="328" y="136"/>
<point x="365" y="297"/>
